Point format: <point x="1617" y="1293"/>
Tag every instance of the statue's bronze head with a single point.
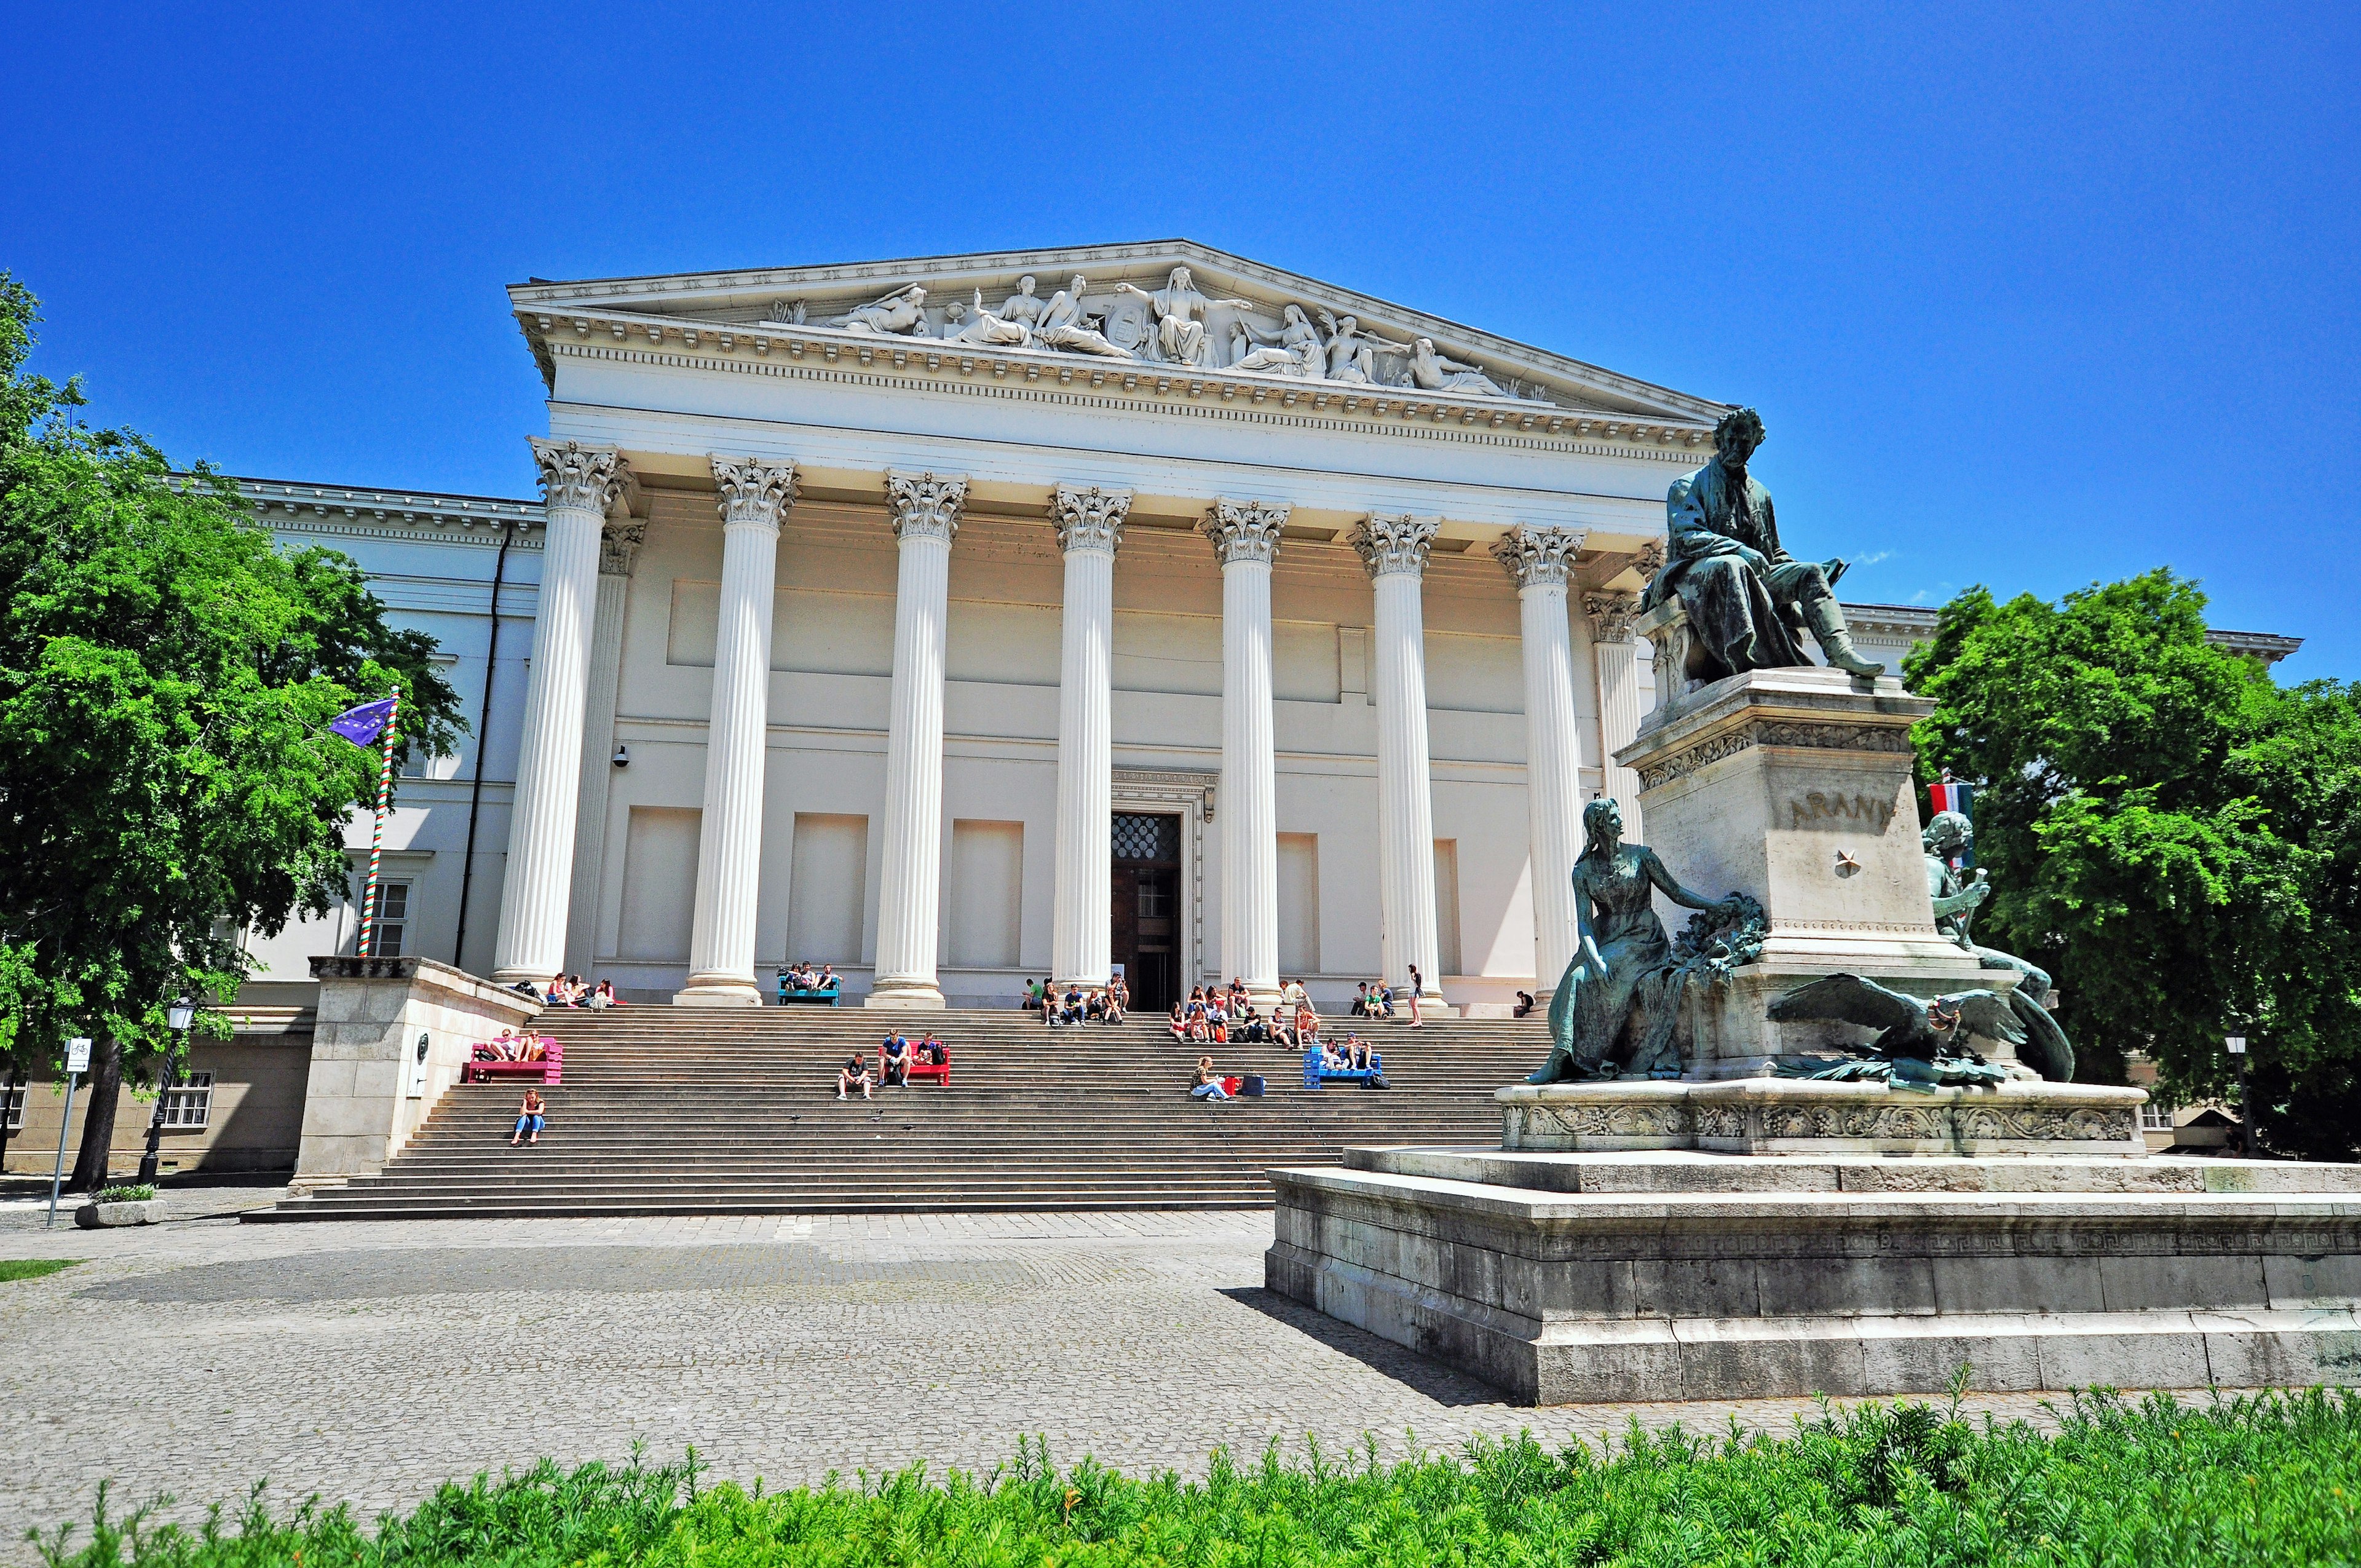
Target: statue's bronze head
<point x="1602" y="823"/>
<point x="1737" y="433"/>
<point x="1947" y="835"/>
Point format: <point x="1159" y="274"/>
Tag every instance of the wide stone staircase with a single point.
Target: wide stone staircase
<point x="683" y="1111"/>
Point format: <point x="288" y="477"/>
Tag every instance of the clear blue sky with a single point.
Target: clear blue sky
<point x="2029" y="296"/>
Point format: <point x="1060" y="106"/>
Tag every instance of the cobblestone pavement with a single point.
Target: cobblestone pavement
<point x="370" y="1361"/>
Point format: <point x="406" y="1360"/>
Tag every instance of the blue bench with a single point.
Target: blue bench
<point x="1315" y="1075"/>
<point x="814" y="998"/>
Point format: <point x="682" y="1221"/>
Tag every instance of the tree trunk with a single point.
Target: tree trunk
<point x="105" y="1087"/>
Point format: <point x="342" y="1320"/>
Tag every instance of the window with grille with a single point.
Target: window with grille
<point x="12" y="1107"/>
<point x="1141" y="837"/>
<point x="392" y="922"/>
<point x="192" y="1104"/>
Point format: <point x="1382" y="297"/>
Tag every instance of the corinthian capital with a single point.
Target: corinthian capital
<point x="1244" y="531"/>
<point x="1537" y="556"/>
<point x="619" y="546"/>
<point x="753" y="490"/>
<point x="1611" y="616"/>
<point x="1389" y="544"/>
<point x="579" y="477"/>
<point x="1090" y="519"/>
<point x="925" y="506"/>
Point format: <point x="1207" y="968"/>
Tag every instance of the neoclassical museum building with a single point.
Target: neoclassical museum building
<point x="966" y="619"/>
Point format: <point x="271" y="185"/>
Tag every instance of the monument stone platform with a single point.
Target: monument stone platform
<point x="1674" y="1275"/>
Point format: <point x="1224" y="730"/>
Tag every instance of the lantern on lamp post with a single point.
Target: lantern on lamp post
<point x="179" y="1015"/>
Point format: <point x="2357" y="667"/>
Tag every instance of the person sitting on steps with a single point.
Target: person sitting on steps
<point x="1208" y="1084"/>
<point x="530" y="1119"/>
<point x="855" y="1074"/>
<point x="895" y="1051"/>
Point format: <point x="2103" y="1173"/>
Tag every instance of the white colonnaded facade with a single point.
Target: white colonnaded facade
<point x="972" y="620"/>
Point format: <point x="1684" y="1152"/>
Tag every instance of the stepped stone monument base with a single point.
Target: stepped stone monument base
<point x="1737" y="1235"/>
<point x="1571" y="1279"/>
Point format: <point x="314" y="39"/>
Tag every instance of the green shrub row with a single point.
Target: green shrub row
<point x="2266" y="1480"/>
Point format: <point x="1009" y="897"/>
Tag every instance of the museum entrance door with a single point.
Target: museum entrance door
<point x="1144" y="906"/>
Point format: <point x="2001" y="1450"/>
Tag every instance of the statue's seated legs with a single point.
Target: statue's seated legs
<point x="1735" y="610"/>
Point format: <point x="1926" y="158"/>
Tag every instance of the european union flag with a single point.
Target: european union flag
<point x="363" y="725"/>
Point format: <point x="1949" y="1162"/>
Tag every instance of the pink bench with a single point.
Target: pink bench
<point x="548" y="1070"/>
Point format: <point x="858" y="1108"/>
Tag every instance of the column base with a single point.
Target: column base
<point x="910" y="996"/>
<point x="537" y="978"/>
<point x="717" y="990"/>
<point x="1262" y="996"/>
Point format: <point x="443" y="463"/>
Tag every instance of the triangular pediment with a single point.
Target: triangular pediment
<point x="1229" y="319"/>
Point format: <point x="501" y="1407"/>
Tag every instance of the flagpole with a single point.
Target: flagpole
<point x="377" y="832"/>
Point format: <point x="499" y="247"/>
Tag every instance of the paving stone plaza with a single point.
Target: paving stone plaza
<point x="370" y="1361"/>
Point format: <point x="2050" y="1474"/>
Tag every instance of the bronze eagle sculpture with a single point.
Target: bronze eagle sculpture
<point x="1914" y="1027"/>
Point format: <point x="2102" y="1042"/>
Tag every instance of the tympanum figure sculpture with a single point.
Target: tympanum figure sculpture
<point x="1747" y="602"/>
<point x="1063" y="325"/>
<point x="1180" y="318"/>
<point x="896" y="313"/>
<point x="1619" y="1003"/>
<point x="1431" y="372"/>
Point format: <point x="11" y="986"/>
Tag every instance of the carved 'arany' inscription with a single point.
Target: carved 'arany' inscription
<point x="1818" y="805"/>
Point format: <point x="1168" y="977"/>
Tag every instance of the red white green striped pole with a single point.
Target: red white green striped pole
<point x="377" y="833"/>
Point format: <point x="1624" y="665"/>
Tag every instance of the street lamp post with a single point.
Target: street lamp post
<point x="2236" y="1045"/>
<point x="180" y="1015"/>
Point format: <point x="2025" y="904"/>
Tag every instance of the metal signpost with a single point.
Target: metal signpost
<point x="77" y="1063"/>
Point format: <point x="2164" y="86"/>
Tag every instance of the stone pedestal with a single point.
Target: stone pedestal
<point x="1586" y="1279"/>
<point x="391" y="1035"/>
<point x="1795" y="786"/>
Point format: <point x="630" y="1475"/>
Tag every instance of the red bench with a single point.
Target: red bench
<point x="547" y="1070"/>
<point x="939" y="1071"/>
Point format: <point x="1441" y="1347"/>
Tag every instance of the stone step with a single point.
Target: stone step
<point x="678" y="1111"/>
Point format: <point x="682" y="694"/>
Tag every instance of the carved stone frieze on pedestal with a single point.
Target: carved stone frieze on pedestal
<point x="1804" y="1116"/>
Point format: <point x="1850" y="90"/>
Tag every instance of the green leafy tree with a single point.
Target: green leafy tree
<point x="166" y="783"/>
<point x="2174" y="836"/>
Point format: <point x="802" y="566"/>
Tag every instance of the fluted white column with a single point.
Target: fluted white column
<point x="1540" y="562"/>
<point x="578" y="484"/>
<point x="753" y="495"/>
<point x="925" y="516"/>
<point x="1245" y="541"/>
<point x="1615" y="651"/>
<point x="617" y="547"/>
<point x="1090" y="530"/>
<point x="1394" y="550"/>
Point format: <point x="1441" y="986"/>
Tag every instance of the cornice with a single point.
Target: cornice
<point x="348" y="512"/>
<point x="1248" y="399"/>
<point x="571" y="297"/>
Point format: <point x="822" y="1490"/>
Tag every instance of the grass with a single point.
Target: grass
<point x="2266" y="1480"/>
<point x="138" y="1194"/>
<point x="32" y="1267"/>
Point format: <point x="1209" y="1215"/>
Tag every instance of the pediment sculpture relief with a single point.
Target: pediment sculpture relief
<point x="1177" y="325"/>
